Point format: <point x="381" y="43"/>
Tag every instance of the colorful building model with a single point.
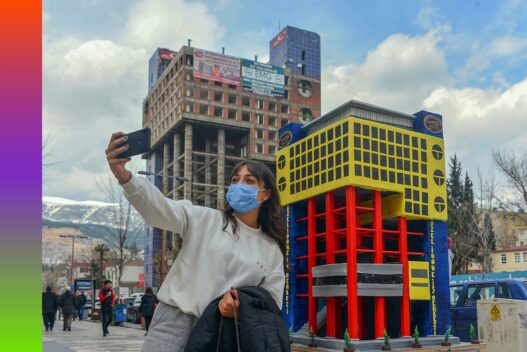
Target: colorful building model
<point x="365" y="198"/>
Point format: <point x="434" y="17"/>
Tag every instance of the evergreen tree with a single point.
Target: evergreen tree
<point x="454" y="183"/>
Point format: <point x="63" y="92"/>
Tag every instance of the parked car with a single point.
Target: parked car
<point x="138" y="296"/>
<point x="129" y="301"/>
<point x="463" y="298"/>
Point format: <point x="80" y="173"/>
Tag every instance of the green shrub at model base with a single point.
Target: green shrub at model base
<point x="416" y="343"/>
<point x="290" y="333"/>
<point x="312" y="343"/>
<point x="473" y="335"/>
<point x="447" y="342"/>
<point x="348" y="346"/>
<point x="386" y="346"/>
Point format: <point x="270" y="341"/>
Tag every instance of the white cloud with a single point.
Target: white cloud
<point x="169" y="23"/>
<point x="399" y="73"/>
<point x="508" y="45"/>
<point x="428" y="17"/>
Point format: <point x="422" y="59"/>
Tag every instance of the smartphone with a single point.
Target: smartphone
<point x="139" y="143"/>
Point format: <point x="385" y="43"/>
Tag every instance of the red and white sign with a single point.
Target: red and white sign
<point x="216" y="67"/>
<point x="167" y="54"/>
<point x="279" y="38"/>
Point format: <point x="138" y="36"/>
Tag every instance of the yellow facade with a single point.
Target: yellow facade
<point x="515" y="260"/>
<point x="418" y="272"/>
<point x="358" y="152"/>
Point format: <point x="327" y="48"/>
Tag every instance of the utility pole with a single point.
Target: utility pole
<point x="73" y="254"/>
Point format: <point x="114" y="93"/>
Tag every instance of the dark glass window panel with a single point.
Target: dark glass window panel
<point x="383" y="147"/>
<point x="297" y="187"/>
<point x="345" y="142"/>
<point x="375" y="173"/>
<point x="400" y="178"/>
<point x="398" y="138"/>
<point x="356" y="142"/>
<point x="415" y="142"/>
<point x="292" y="189"/>
<point x="416" y="208"/>
<point x="315" y="139"/>
<point x="374" y="132"/>
<point x="425" y="197"/>
<point x="303" y="159"/>
<point x="338" y="144"/>
<point x="345" y="128"/>
<point x="310" y="183"/>
<point x="406" y="165"/>
<point x="423" y="143"/>
<point x="337" y="132"/>
<point x="408" y="207"/>
<point x="375" y="158"/>
<point x="304" y="185"/>
<point x="407" y="180"/>
<point x="399" y="164"/>
<point x="416" y="195"/>
<point x="415" y="180"/>
<point x="358" y="170"/>
<point x="330" y="162"/>
<point x="415" y="167"/>
<point x="424" y="210"/>
<point x="330" y="148"/>
<point x="303" y="147"/>
<point x="423" y="169"/>
<point x="323" y="151"/>
<point x="390" y="136"/>
<point x="309" y="157"/>
<point x="346" y="171"/>
<point x="292" y="164"/>
<point x="366" y="157"/>
<point x="392" y="176"/>
<point x="399" y="151"/>
<point x="407" y="153"/>
<point x="330" y="175"/>
<point x="304" y="172"/>
<point x="323" y="138"/>
<point x="316" y="154"/>
<point x="365" y="144"/>
<point x="316" y="167"/>
<point x="366" y="130"/>
<point x="366" y="171"/>
<point x="345" y="157"/>
<point x="338" y="159"/>
<point x="297" y="174"/>
<point x="324" y="167"/>
<point x="310" y="170"/>
<point x="384" y="175"/>
<point x="317" y="180"/>
<point x="423" y="157"/>
<point x="424" y="182"/>
<point x="391" y="163"/>
<point x="415" y="154"/>
<point x="407" y="193"/>
<point x="357" y="155"/>
<point x="323" y="176"/>
<point x="330" y="135"/>
<point x="309" y="145"/>
<point x="406" y="139"/>
<point x="383" y="160"/>
<point x="338" y="173"/>
<point x="356" y="128"/>
<point x="374" y="146"/>
<point x="291" y="152"/>
<point x="391" y="149"/>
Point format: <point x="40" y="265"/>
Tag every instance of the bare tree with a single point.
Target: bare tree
<point x="514" y="169"/>
<point x="125" y="226"/>
<point x="47" y="152"/>
<point x="484" y="239"/>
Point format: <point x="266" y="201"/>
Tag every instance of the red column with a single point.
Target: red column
<point x="311" y="262"/>
<point x="379" y="302"/>
<point x="351" y="241"/>
<point x="405" y="300"/>
<point x="331" y="307"/>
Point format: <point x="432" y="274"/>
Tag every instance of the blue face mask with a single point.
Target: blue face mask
<point x="242" y="198"/>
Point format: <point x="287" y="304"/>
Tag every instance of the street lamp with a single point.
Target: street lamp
<point x="148" y="173"/>
<point x="73" y="252"/>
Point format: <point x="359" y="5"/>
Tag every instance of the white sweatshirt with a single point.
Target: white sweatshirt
<point x="211" y="260"/>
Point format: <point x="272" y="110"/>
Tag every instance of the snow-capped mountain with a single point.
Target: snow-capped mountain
<point x="60" y="210"/>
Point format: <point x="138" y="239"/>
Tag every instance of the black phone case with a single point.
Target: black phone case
<point x="139" y="143"/>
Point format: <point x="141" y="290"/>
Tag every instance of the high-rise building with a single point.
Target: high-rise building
<point x="157" y="64"/>
<point x="208" y="111"/>
<point x="297" y="50"/>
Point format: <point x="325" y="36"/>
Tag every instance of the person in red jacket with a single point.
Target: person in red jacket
<point x="106" y="296"/>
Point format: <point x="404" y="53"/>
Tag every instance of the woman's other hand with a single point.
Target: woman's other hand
<point x="229" y="304"/>
<point x="117" y="166"/>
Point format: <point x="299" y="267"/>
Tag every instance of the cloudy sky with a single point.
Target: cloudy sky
<point x="466" y="60"/>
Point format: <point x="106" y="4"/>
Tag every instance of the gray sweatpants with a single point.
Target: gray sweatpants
<point x="169" y="330"/>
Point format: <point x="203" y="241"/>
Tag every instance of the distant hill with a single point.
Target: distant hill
<point x="89" y="218"/>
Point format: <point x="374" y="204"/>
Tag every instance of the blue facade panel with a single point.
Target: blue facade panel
<point x="297" y="50"/>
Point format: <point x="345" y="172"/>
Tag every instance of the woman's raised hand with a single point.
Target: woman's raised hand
<point x="117" y="166"/>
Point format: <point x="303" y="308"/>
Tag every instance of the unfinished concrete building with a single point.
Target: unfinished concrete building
<point x="201" y="128"/>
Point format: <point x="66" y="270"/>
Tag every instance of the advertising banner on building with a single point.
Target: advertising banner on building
<point x="216" y="67"/>
<point x="167" y="55"/>
<point x="261" y="78"/>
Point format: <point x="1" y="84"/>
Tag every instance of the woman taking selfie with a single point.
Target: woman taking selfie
<point x="241" y="246"/>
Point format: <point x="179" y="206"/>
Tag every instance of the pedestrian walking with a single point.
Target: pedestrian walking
<point x="147" y="307"/>
<point x="49" y="308"/>
<point x="106" y="297"/>
<point x="243" y="245"/>
<point x="67" y="302"/>
<point x="59" y="309"/>
<point x="80" y="301"/>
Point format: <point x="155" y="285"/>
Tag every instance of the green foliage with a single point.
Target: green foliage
<point x="416" y="335"/>
<point x="447" y="333"/>
<point x="386" y="338"/>
<point x="473" y="334"/>
<point x="290" y="331"/>
<point x="311" y="334"/>
<point x="347" y="340"/>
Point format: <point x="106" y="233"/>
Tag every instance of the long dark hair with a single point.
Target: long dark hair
<point x="271" y="217"/>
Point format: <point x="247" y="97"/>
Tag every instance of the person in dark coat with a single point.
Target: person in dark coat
<point x="258" y="325"/>
<point x="67" y="302"/>
<point x="106" y="297"/>
<point x="49" y="308"/>
<point x="147" y="307"/>
<point x="80" y="302"/>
